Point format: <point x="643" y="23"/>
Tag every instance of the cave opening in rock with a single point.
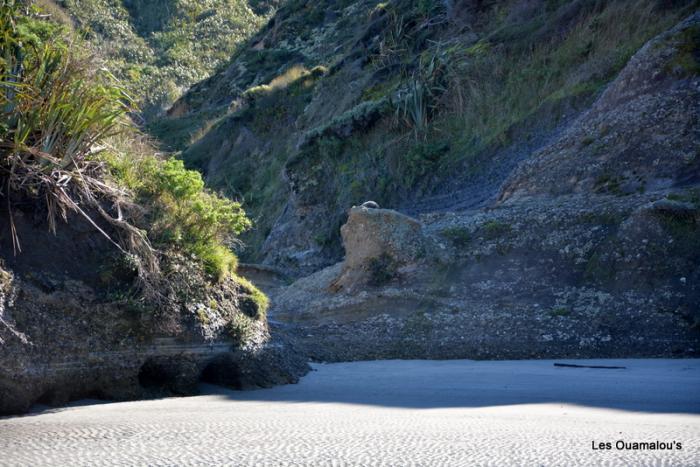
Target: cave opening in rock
<point x="157" y="375"/>
<point x="223" y="371"/>
<point x="48" y="397"/>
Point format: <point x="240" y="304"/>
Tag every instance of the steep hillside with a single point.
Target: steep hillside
<point x="549" y="152"/>
<point x="116" y="276"/>
<point x="160" y="48"/>
<point x="422" y="106"/>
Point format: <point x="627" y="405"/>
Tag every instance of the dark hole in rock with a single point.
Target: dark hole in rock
<point x="157" y="375"/>
<point x="47" y="398"/>
<point x="249" y="307"/>
<point x="93" y="394"/>
<point x="222" y="370"/>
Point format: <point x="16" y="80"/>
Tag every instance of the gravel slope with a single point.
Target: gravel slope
<point x="388" y="413"/>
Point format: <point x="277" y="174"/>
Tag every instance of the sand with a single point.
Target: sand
<point x="388" y="413"/>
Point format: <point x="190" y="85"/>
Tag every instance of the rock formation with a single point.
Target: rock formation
<point x="547" y="153"/>
<point x="593" y="249"/>
<point x="640" y="135"/>
<point x="378" y="242"/>
<point x="70" y="330"/>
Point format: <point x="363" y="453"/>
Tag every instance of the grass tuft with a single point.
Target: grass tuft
<point x="67" y="143"/>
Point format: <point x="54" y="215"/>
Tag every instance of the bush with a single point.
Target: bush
<point x="254" y="303"/>
<point x="495" y="229"/>
<point x="421" y="159"/>
<point x="183" y="213"/>
<point x="240" y="327"/>
<point x="175" y="43"/>
<point x="459" y="236"/>
<point x="55" y="110"/>
<point x="291" y="76"/>
<point x="66" y="142"/>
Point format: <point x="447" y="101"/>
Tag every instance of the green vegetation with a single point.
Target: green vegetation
<point x="689" y="196"/>
<point x="267" y="109"/>
<point x="383" y="108"/>
<point x="687" y="62"/>
<point x="607" y="183"/>
<point x="421" y="159"/>
<point x="240" y="327"/>
<point x="414" y="94"/>
<point x="683" y="227"/>
<point x="600" y="267"/>
<point x="359" y="117"/>
<point x="419" y="323"/>
<point x="495" y="229"/>
<point x="159" y="48"/>
<point x="182" y="212"/>
<point x="5" y="280"/>
<point x="55" y="110"/>
<point x="523" y="66"/>
<point x="174" y="134"/>
<point x="559" y="311"/>
<point x="254" y="303"/>
<point x="459" y="236"/>
<point x="290" y="76"/>
<point x="66" y="143"/>
<point x="606" y="218"/>
<point x="203" y="317"/>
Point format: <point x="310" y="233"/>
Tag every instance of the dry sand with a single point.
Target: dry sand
<point x="387" y="413"/>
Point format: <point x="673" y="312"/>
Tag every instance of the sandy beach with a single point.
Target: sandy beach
<point x="389" y="413"/>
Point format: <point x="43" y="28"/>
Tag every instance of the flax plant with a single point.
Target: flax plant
<point x="55" y="111"/>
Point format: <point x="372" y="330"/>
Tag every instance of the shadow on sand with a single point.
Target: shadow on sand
<point x="649" y="385"/>
<point x="661" y="386"/>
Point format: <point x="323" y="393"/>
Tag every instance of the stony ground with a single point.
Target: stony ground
<point x="388" y="413"/>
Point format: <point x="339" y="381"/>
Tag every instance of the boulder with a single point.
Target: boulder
<point x="378" y="243"/>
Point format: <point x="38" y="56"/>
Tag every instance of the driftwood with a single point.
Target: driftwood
<point x="571" y="365"/>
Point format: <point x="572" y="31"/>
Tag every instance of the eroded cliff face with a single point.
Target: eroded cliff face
<point x="543" y="278"/>
<point x="640" y="136"/>
<point x="592" y="249"/>
<point x="74" y="324"/>
<point x="431" y="106"/>
<point x="548" y="153"/>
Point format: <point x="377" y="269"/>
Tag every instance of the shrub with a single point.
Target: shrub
<point x="66" y="142"/>
<point x="183" y="213"/>
<point x="291" y="76"/>
<point x="459" y="236"/>
<point x="254" y="302"/>
<point x="559" y="311"/>
<point x="5" y="281"/>
<point x="240" y="327"/>
<point x="254" y="92"/>
<point x="359" y="117"/>
<point x="495" y="229"/>
<point x="412" y="106"/>
<point x="318" y="71"/>
<point x="175" y="46"/>
<point x="55" y="110"/>
<point x="421" y="159"/>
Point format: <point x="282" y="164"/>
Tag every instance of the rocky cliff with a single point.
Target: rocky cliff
<point x="73" y="326"/>
<point x="541" y="159"/>
<point x="424" y="107"/>
<point x="592" y="249"/>
<point x="117" y="273"/>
